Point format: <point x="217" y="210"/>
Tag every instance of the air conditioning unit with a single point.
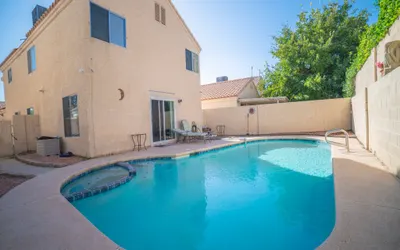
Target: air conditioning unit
<point x="37" y="12"/>
<point x="46" y="146"/>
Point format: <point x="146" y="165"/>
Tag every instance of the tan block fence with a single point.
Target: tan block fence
<point x="376" y="106"/>
<point x="293" y="117"/>
<point x="6" y="144"/>
<point x="376" y="119"/>
<point x="20" y="136"/>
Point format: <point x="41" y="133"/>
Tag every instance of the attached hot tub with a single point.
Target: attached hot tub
<point x="96" y="181"/>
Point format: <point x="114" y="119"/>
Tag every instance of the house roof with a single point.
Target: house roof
<point x="185" y="25"/>
<point x="2" y="105"/>
<point x="43" y="16"/>
<point x="49" y="10"/>
<point x="226" y="89"/>
<point x="8" y="57"/>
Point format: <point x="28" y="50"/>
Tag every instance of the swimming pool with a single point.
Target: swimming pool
<point x="275" y="194"/>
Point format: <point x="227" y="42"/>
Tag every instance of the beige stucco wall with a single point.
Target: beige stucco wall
<point x="220" y="103"/>
<point x="235" y="119"/>
<point x="293" y="117"/>
<point x="308" y="116"/>
<point x="250" y="91"/>
<point x="61" y="50"/>
<point x="151" y="66"/>
<point x="69" y="61"/>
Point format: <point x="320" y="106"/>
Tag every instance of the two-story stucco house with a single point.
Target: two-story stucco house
<point x="97" y="71"/>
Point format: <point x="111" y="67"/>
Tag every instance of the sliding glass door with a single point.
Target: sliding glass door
<point x="163" y="120"/>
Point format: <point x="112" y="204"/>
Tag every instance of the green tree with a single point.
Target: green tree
<point x="389" y="11"/>
<point x="313" y="57"/>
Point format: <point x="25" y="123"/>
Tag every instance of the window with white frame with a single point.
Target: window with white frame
<point x="107" y="26"/>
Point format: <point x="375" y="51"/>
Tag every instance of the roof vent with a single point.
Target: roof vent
<point x="37" y="12"/>
<point x="222" y="78"/>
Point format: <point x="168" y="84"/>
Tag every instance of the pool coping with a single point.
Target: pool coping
<point x="39" y="202"/>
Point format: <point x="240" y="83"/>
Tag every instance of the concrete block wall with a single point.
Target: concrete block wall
<point x="365" y="76"/>
<point x="384" y="120"/>
<point x="26" y="129"/>
<point x="376" y="106"/>
<point x="6" y="146"/>
<point x="295" y="117"/>
<point x="359" y="117"/>
<point x="392" y="35"/>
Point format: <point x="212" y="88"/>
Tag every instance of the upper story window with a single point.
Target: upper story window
<point x="9" y="74"/>
<point x="163" y="17"/>
<point x="160" y="14"/>
<point x="192" y="61"/>
<point x="31" y="59"/>
<point x="71" y="116"/>
<point x="107" y="26"/>
<point x="157" y="12"/>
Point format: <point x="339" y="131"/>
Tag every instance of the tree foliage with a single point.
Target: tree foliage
<point x="389" y="10"/>
<point x="313" y="57"/>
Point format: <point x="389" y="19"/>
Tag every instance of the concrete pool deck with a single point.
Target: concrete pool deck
<point x="35" y="215"/>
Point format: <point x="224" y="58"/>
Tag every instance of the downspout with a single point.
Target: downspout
<point x="248" y="115"/>
<point x="92" y="133"/>
<point x="258" y="121"/>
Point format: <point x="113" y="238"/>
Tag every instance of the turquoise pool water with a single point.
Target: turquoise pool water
<point x="274" y="194"/>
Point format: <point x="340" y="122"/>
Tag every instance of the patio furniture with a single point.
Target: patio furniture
<point x="206" y="130"/>
<point x="189" y="128"/>
<point x="180" y="134"/>
<point x="137" y="141"/>
<point x="220" y="130"/>
<point x="188" y="135"/>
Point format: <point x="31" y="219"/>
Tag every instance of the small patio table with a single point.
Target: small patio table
<point x="137" y="141"/>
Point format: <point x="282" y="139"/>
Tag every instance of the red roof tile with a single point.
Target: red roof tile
<point x="43" y="16"/>
<point x="226" y="89"/>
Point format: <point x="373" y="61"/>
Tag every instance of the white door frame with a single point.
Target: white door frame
<point x="156" y="98"/>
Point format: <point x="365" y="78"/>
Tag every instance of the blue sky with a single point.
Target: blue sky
<point x="234" y="34"/>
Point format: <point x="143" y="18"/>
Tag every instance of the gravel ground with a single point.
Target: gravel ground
<point x="8" y="182"/>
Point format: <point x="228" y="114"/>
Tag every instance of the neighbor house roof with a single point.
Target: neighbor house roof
<point x="226" y="89"/>
<point x="2" y="105"/>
